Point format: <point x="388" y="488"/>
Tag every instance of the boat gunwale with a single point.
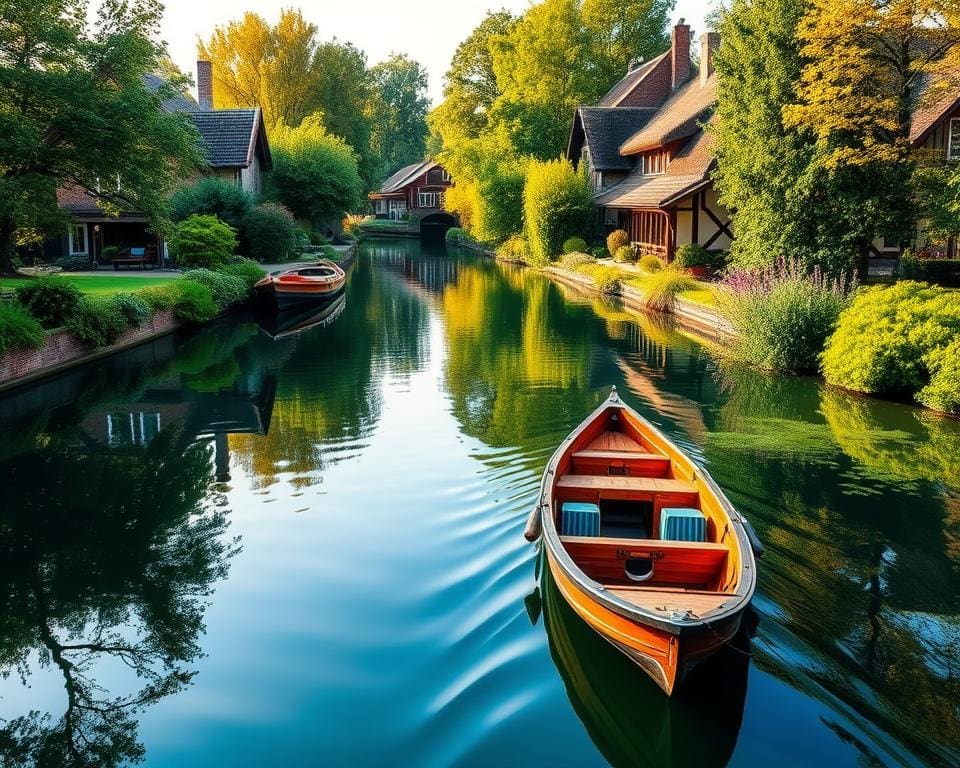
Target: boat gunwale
<point x="597" y="591"/>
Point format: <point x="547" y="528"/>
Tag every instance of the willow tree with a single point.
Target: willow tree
<point x="75" y="109"/>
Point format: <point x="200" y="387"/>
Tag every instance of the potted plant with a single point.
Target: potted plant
<point x="694" y="258"/>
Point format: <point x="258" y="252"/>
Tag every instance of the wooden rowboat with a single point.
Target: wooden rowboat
<point x="642" y="543"/>
<point x="321" y="281"/>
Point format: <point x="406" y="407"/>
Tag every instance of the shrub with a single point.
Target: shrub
<point x="109" y="253"/>
<point x="575" y="245"/>
<point x="782" y="315"/>
<point x="943" y="391"/>
<point x="270" y="232"/>
<point x="616" y="240"/>
<point x="556" y="205"/>
<point x="607" y="279"/>
<point x="660" y="288"/>
<point x="97" y="321"/>
<point x="346" y="238"/>
<point x="135" y="309"/>
<point x="18" y="328"/>
<point x="650" y="264"/>
<point x="227" y="290"/>
<point x="160" y="297"/>
<point x="516" y="248"/>
<point x="203" y="241"/>
<point x="52" y="300"/>
<point x="940" y="271"/>
<point x="691" y="255"/>
<point x="194" y="302"/>
<point x="213" y="197"/>
<point x="329" y="252"/>
<point x="72" y="263"/>
<point x="458" y="236"/>
<point x="246" y="270"/>
<point x="895" y="340"/>
<point x="496" y="200"/>
<point x="624" y="254"/>
<point x="598" y="252"/>
<point x="316" y="238"/>
<point x="573" y="260"/>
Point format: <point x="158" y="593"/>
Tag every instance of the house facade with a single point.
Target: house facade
<point x="236" y="149"/>
<point x="417" y="189"/>
<point x="648" y="156"/>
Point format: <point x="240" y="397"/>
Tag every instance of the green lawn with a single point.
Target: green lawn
<point x="98" y="285"/>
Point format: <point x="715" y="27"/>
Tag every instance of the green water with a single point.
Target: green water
<point x="229" y="549"/>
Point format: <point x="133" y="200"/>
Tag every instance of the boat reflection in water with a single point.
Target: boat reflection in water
<point x="627" y="716"/>
<point x="301" y="317"/>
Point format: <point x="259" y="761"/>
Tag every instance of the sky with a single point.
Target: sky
<point x="428" y="30"/>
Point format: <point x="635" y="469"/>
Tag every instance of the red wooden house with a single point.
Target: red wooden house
<point x="417" y="190"/>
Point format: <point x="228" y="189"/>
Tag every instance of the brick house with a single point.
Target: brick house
<point x="415" y="190"/>
<point x="236" y="148"/>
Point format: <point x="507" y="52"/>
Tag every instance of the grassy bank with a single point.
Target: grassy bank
<point x="96" y="285"/>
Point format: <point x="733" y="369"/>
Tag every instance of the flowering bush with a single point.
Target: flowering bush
<point x="782" y="314"/>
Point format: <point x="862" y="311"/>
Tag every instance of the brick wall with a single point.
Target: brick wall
<point x="62" y="348"/>
<point x="654" y="89"/>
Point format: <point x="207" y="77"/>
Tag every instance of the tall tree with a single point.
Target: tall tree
<point x="398" y="112"/>
<point x="74" y="109"/>
<point x="619" y="31"/>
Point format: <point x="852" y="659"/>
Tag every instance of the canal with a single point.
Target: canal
<point x="253" y="546"/>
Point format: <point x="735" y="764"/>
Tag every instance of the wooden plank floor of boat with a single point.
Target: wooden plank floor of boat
<point x="616" y="441"/>
<point x="666" y="600"/>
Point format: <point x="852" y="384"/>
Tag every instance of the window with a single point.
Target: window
<point x="397" y="209"/>
<point x="132" y="428"/>
<point x="654" y="163"/>
<point x="428" y="199"/>
<point x="78" y="239"/>
<point x="446" y="177"/>
<point x="953" y="140"/>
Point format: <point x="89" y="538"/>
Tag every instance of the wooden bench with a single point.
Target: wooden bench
<point x="676" y="563"/>
<point x="132" y="259"/>
<point x="625" y="463"/>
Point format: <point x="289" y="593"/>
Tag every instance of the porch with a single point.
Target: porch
<point x="109" y="244"/>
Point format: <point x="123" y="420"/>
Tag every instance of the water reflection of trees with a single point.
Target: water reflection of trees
<point x="862" y="567"/>
<point x="106" y="562"/>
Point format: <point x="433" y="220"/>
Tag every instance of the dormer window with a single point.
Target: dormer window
<point x="953" y="140"/>
<point x="654" y="163"/>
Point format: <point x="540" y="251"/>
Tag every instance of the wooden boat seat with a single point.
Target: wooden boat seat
<point x="699" y="602"/>
<point x="615" y="486"/>
<point x="630" y="463"/>
<point x="680" y="563"/>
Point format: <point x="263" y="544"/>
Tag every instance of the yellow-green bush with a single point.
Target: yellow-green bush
<point x="574" y="260"/>
<point x="624" y="254"/>
<point x="650" y="264"/>
<point x="660" y="288"/>
<point x="556" y="206"/>
<point x="605" y="279"/>
<point x="616" y="240"/>
<point x="575" y="245"/>
<point x="516" y="248"/>
<point x="203" y="241"/>
<point x="898" y="340"/>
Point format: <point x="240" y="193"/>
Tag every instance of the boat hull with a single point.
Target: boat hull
<point x="666" y="656"/>
<point x="286" y="297"/>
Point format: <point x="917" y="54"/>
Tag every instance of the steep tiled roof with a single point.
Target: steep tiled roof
<point x="229" y="135"/>
<point x="405" y="175"/>
<point x="182" y="102"/>
<point x="679" y="118"/>
<point x="933" y="104"/>
<point x="630" y="81"/>
<point x="689" y="170"/>
<point x="606" y="128"/>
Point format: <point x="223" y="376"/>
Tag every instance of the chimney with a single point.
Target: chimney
<point x="680" y="54"/>
<point x="709" y="42"/>
<point x="205" y="84"/>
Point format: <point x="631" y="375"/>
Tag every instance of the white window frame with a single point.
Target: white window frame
<point x="428" y="199"/>
<point x="74" y="228"/>
<point x="397" y="209"/>
<point x="950" y="143"/>
<point x="445" y="176"/>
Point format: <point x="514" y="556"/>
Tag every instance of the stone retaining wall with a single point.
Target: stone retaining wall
<point x="63" y="349"/>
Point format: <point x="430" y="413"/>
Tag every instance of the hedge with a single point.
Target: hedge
<point x="18" y="328"/>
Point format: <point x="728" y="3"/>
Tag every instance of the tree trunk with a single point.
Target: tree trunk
<point x="8" y="247"/>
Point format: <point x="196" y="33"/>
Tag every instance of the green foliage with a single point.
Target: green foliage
<point x="98" y="321"/>
<point x="944" y="272"/>
<point x="598" y="251"/>
<point x="109" y="253"/>
<point x="942" y="393"/>
<point x="203" y="241"/>
<point x="271" y="233"/>
<point x="606" y="279"/>
<point x="573" y="261"/>
<point x="49" y="299"/>
<point x="575" y="245"/>
<point x="783" y="318"/>
<point x="18" y="328"/>
<point x="650" y="264"/>
<point x="212" y="196"/>
<point x="315" y="173"/>
<point x="398" y="109"/>
<point x="134" y="309"/>
<point x="160" y="297"/>
<point x="72" y="263"/>
<point x="194" y="302"/>
<point x="556" y="205"/>
<point x="246" y="270"/>
<point x="515" y="248"/>
<point x="617" y="240"/>
<point x="227" y="290"/>
<point x="75" y="107"/>
<point x="624" y="254"/>
<point x="896" y="340"/>
<point x="660" y="288"/>
<point x="692" y="255"/>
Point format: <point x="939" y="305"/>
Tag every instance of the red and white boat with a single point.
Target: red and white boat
<point x="316" y="282"/>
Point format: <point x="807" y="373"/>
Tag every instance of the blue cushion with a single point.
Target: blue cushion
<point x="682" y="524"/>
<point x="135" y="252"/>
<point x="579" y="519"/>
